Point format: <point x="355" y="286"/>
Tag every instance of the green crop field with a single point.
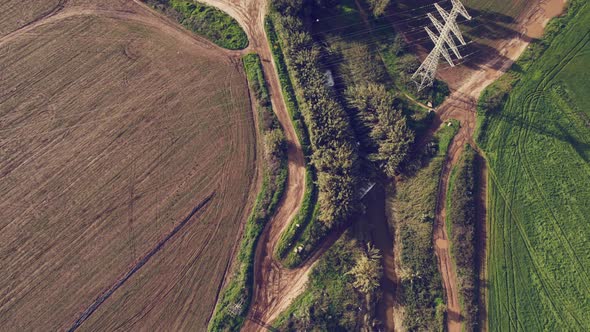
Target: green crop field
<point x="538" y="148"/>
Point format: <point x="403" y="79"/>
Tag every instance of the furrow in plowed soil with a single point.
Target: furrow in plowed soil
<point x="106" y="294"/>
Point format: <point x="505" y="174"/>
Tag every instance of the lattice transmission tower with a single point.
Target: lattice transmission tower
<point x="424" y="76"/>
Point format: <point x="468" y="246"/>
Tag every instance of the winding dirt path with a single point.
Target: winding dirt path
<point x="466" y="86"/>
<point x="275" y="287"/>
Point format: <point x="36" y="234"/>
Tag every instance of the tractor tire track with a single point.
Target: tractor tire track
<point x="146" y="258"/>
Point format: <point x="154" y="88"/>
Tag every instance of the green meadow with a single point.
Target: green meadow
<point x="535" y="132"/>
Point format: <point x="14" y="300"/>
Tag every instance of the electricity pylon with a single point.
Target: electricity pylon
<point x="427" y="69"/>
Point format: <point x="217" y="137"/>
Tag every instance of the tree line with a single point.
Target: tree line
<point x="333" y="143"/>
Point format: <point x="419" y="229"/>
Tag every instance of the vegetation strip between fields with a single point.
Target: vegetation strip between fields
<point x="237" y="295"/>
<point x="412" y="214"/>
<point x="461" y="219"/>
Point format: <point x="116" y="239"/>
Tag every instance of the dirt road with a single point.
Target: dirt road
<point x="275" y="287"/>
<point x="467" y="85"/>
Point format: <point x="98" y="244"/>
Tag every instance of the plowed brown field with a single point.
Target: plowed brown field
<point x="127" y="159"/>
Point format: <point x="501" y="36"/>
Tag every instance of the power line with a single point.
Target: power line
<point x="427" y="70"/>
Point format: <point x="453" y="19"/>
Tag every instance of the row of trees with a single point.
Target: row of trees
<point x="332" y="139"/>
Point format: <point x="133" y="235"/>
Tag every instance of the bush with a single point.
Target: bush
<point x="378" y="7"/>
<point x="206" y="21"/>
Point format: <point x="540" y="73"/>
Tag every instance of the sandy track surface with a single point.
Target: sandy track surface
<point x="114" y="126"/>
<point x="466" y="86"/>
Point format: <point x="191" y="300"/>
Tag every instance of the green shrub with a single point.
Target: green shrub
<point x="206" y="21"/>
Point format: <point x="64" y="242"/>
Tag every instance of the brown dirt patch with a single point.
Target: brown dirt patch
<point x="114" y="126"/>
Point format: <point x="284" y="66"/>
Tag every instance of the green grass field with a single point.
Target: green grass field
<point x="538" y="148"/>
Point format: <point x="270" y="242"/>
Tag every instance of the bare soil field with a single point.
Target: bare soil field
<point x="127" y="159"/>
<point x="17" y="14"/>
